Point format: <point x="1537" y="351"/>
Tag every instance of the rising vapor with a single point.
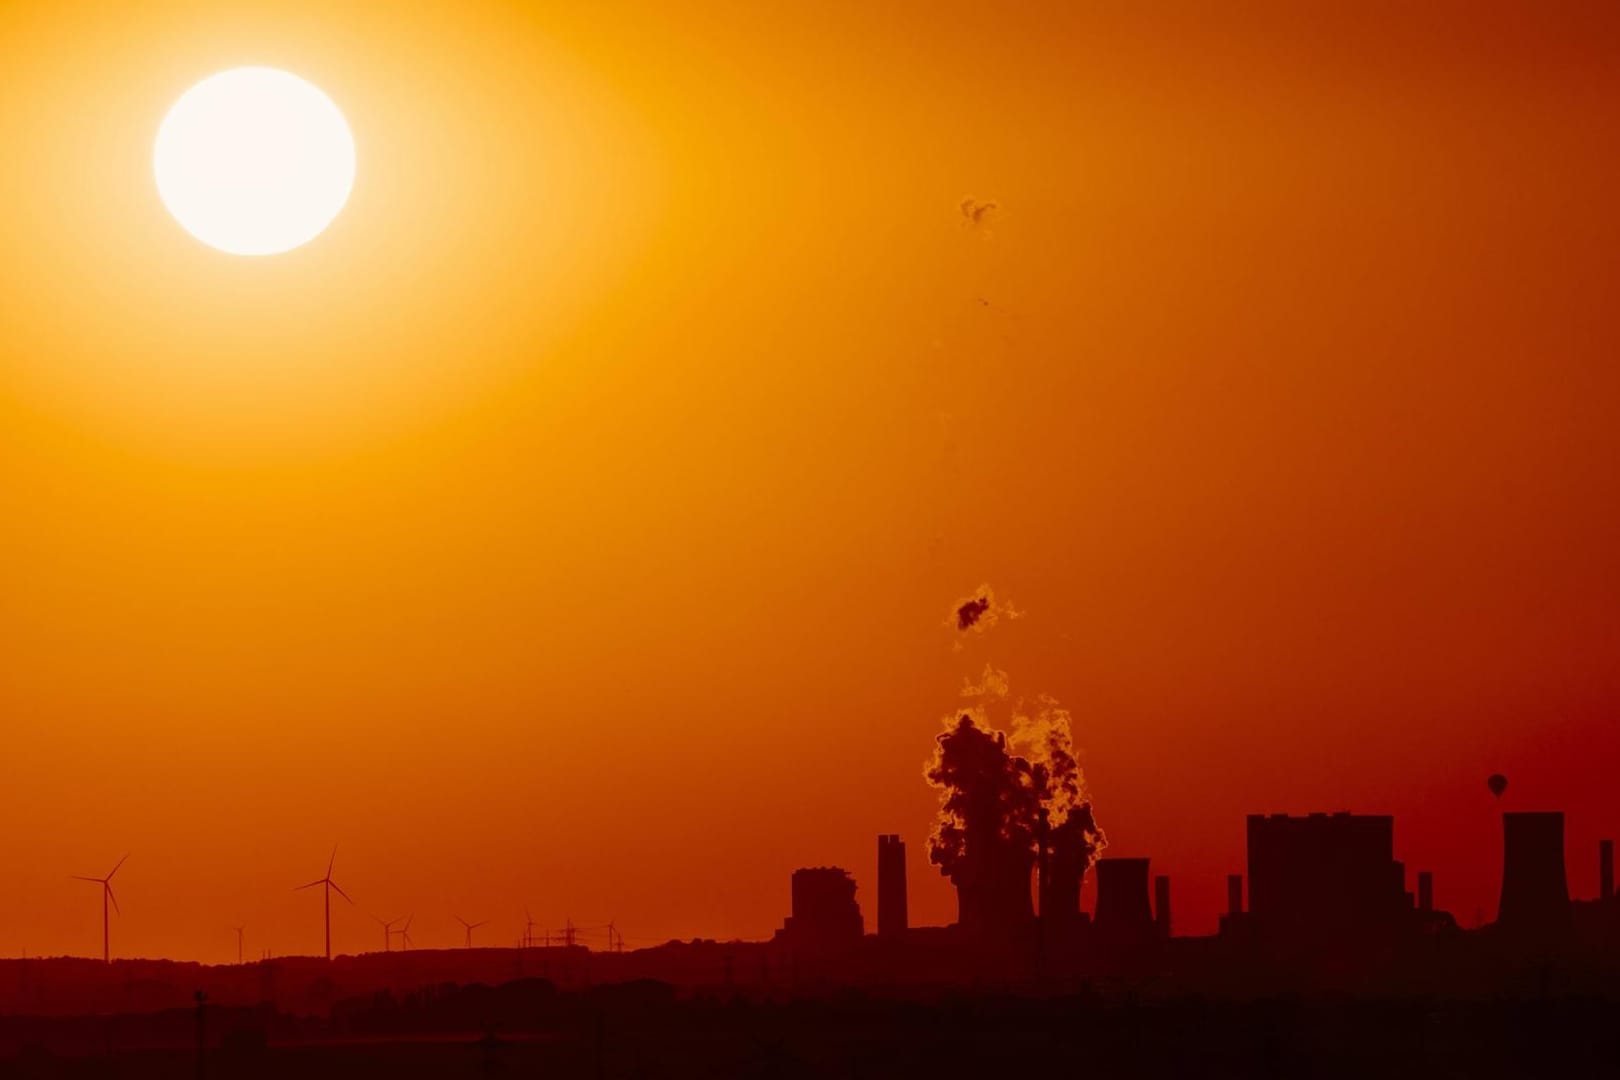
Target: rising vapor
<point x="1005" y="800"/>
<point x="976" y="212"/>
<point x="981" y="611"/>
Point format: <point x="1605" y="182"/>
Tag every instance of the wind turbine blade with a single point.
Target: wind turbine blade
<point x="340" y="892"/>
<point x="476" y="925"/>
<point x="311" y="885"/>
<point x="81" y="877"/>
<point x="120" y="863"/>
<point x="408" y="919"/>
<point x="111" y="895"/>
<point x="332" y="861"/>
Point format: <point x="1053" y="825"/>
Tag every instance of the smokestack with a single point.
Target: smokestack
<point x="1605" y="869"/>
<point x="1123" y="912"/>
<point x="1535" y="889"/>
<point x="1161" y="904"/>
<point x="1425" y="891"/>
<point x="1234" y="894"/>
<point x="892" y="912"/>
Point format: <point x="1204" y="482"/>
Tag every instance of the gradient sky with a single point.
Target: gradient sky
<point x="573" y="524"/>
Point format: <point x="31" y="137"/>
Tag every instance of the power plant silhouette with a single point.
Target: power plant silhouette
<point x="1535" y="889"/>
<point x="1320" y="928"/>
<point x="1314" y="882"/>
<point x="1318" y="885"/>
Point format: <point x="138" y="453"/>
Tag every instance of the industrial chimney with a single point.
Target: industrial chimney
<point x="1123" y="912"/>
<point x="1535" y="890"/>
<point x="892" y="914"/>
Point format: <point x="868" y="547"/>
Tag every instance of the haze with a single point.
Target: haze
<point x="575" y="522"/>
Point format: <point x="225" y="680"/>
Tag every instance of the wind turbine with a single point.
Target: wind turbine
<point x="330" y="885"/>
<point x="471" y="926"/>
<point x="388" y="931"/>
<point x="106" y="898"/>
<point x="528" y="928"/>
<point x="239" y="931"/>
<point x="404" y="933"/>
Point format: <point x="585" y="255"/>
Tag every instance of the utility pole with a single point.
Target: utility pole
<point x="201" y="997"/>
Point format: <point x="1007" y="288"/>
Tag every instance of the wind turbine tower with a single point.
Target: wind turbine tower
<point x="107" y="897"/>
<point x="388" y="932"/>
<point x="330" y="885"/>
<point x="471" y="926"/>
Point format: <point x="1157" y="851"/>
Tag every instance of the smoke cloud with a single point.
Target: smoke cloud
<point x="1000" y="792"/>
<point x="992" y="685"/>
<point x="977" y="213"/>
<point x="1012" y="797"/>
<point x="1045" y="735"/>
<point x="986" y="804"/>
<point x="980" y="611"/>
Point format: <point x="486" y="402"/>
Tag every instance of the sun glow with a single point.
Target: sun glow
<point x="254" y="161"/>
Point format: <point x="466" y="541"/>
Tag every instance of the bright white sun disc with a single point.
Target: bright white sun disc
<point x="254" y="161"/>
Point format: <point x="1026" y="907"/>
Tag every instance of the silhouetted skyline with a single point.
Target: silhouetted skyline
<point x="796" y="539"/>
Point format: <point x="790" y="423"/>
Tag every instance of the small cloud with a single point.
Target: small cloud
<point x="969" y="612"/>
<point x="978" y="213"/>
<point x="981" y="611"/>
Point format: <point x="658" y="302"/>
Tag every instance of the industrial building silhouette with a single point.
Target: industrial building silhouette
<point x="1535" y="889"/>
<point x="1318" y="885"/>
<point x="1322" y="876"/>
<point x="825" y="915"/>
<point x="893" y="917"/>
<point x="1327" y="957"/>
<point x="1124" y="914"/>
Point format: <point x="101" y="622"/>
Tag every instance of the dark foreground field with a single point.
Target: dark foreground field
<point x="959" y="1035"/>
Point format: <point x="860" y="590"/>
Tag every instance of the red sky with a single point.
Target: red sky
<point x="573" y="524"/>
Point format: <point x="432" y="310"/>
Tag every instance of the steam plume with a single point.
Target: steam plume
<point x="1002" y="796"/>
<point x="980" y="611"/>
<point x="975" y="212"/>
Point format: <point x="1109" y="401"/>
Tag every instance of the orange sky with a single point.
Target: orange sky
<point x="573" y="523"/>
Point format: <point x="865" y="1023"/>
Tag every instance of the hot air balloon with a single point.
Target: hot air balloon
<point x="1497" y="783"/>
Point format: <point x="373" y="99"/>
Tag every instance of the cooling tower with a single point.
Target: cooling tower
<point x="1535" y="891"/>
<point x="1123" y="911"/>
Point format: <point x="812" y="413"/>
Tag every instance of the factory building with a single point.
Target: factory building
<point x="825" y="914"/>
<point x="1329" y="878"/>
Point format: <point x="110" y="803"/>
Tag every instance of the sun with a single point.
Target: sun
<point x="254" y="161"/>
